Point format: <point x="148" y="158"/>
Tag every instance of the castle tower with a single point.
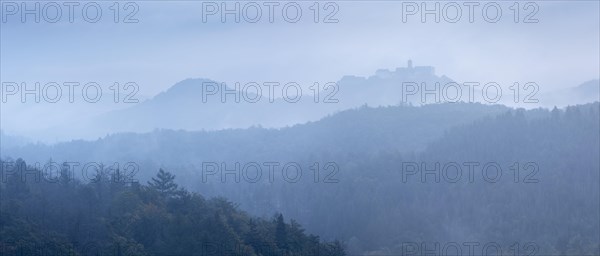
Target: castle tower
<point x="409" y="65"/>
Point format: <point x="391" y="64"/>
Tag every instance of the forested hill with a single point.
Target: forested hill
<point x="529" y="168"/>
<point x="572" y="130"/>
<point x="111" y="216"/>
<point x="487" y="181"/>
<point x="362" y="131"/>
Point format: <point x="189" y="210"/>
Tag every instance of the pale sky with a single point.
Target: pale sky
<point x="171" y="43"/>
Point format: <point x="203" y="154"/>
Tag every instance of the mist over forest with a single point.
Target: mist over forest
<point x="427" y="168"/>
<point x="300" y="128"/>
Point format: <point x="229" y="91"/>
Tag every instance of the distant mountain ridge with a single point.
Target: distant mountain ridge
<point x="183" y="107"/>
<point x="586" y="92"/>
<point x="395" y="128"/>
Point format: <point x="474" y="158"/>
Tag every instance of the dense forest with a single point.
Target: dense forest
<point x="111" y="216"/>
<point x="395" y="183"/>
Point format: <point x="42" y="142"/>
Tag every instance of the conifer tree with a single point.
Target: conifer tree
<point x="164" y="183"/>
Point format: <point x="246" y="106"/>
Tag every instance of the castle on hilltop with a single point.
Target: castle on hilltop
<point x="409" y="70"/>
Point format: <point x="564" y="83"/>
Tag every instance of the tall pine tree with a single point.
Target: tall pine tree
<point x="281" y="234"/>
<point x="164" y="183"/>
